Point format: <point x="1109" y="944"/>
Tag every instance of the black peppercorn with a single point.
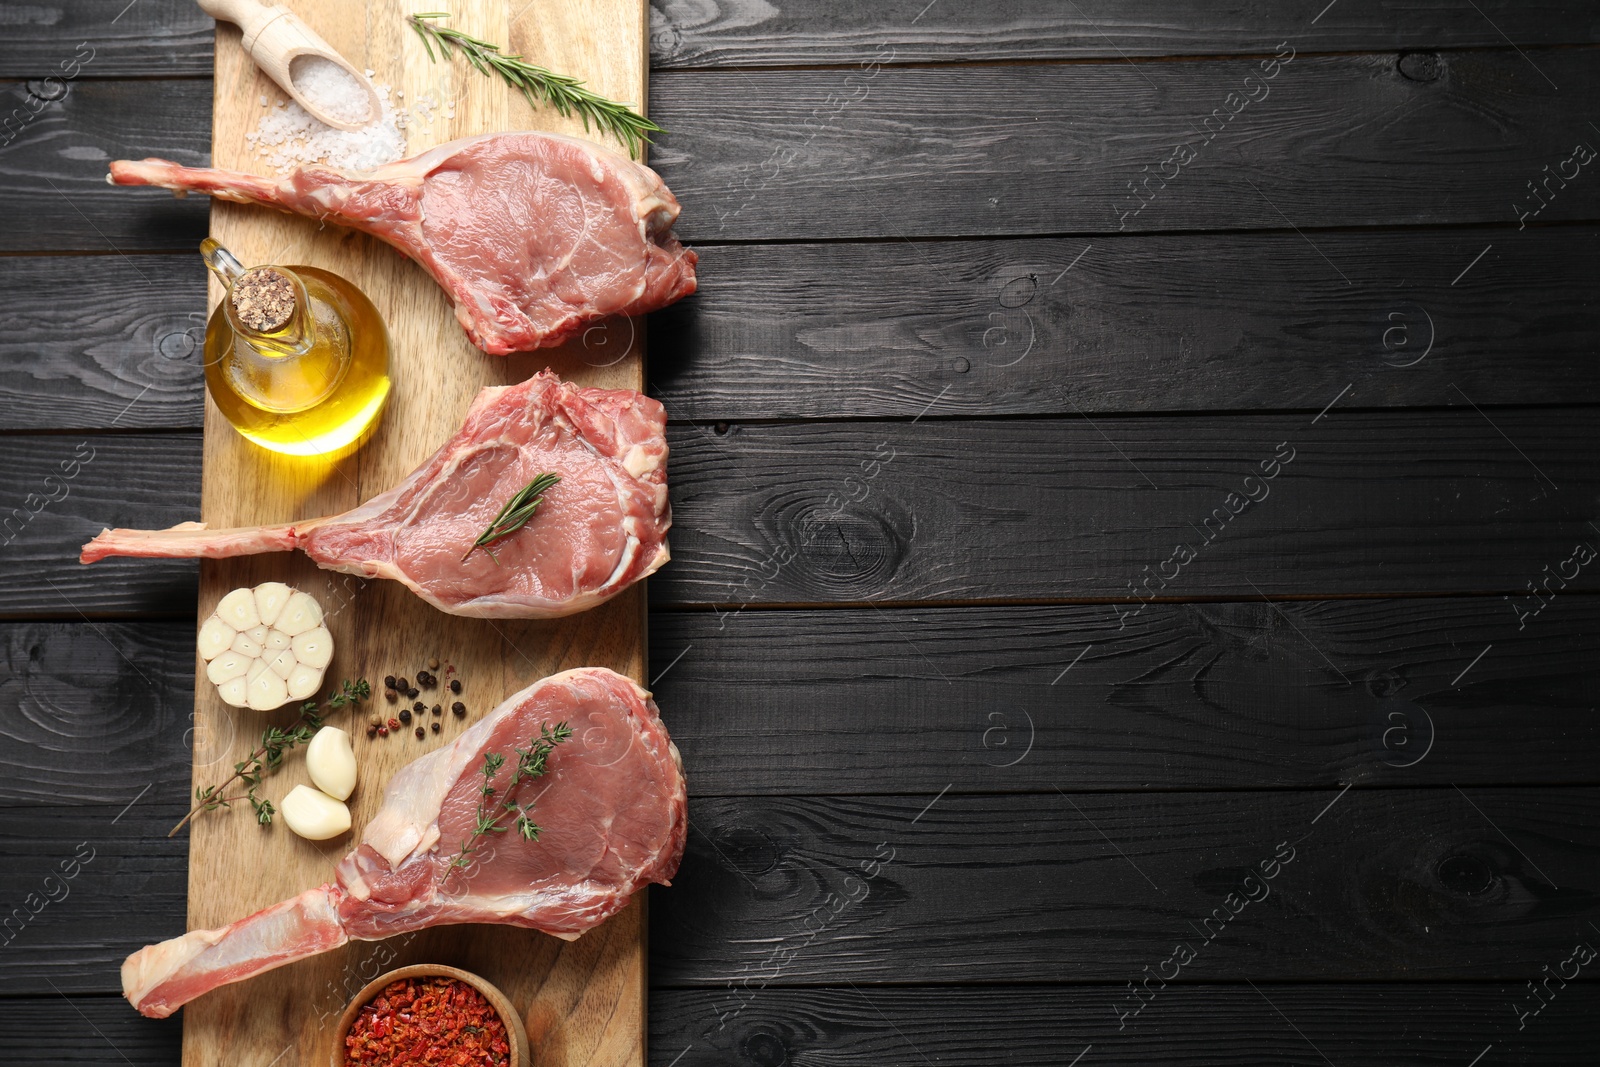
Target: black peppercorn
<point x="435" y="727"/>
<point x="459" y="708"/>
<point x="372" y="730"/>
<point x="402" y="685"/>
<point x="388" y="681"/>
<point x="421" y="733"/>
<point x="419" y="707"/>
<point x="455" y="685"/>
<point x="412" y="692"/>
<point x="390" y="695"/>
<point x="405" y="715"/>
<point x="437" y="710"/>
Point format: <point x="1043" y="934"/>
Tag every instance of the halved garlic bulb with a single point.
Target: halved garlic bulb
<point x="266" y="646"/>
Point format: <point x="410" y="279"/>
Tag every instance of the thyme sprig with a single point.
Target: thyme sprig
<point x="561" y="91"/>
<point x="491" y="816"/>
<point x="268" y="757"/>
<point x="515" y="515"/>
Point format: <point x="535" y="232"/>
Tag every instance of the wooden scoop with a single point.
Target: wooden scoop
<point x="276" y="39"/>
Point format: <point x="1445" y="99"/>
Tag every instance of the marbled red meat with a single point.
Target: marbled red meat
<point x="612" y="811"/>
<point x="599" y="530"/>
<point x="533" y="235"/>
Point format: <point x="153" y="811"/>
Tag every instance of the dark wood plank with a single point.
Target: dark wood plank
<point x="1185" y="696"/>
<point x="107" y="38"/>
<point x="50" y="1030"/>
<point x="54" y="168"/>
<point x="967" y="151"/>
<point x="170" y="37"/>
<point x="1137" y="324"/>
<point x="749" y="33"/>
<point x="1079" y="509"/>
<point x="1368" y="1025"/>
<point x="61" y="490"/>
<point x="92" y="713"/>
<point x="966" y="510"/>
<point x="85" y="886"/>
<point x="1387" y="884"/>
<point x="101" y="342"/>
<point x="796" y="331"/>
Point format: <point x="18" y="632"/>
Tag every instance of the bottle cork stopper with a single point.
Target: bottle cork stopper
<point x="263" y="299"/>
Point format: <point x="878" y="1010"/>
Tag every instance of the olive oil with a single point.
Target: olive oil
<point x="314" y="383"/>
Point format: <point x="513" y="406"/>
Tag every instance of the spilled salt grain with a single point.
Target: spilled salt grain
<point x="330" y="87"/>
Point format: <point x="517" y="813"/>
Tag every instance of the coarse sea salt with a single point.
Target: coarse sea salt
<point x="287" y="137"/>
<point x="330" y="88"/>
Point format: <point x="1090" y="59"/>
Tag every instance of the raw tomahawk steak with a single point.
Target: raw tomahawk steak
<point x="611" y="811"/>
<point x="599" y="530"/>
<point x="533" y="235"/>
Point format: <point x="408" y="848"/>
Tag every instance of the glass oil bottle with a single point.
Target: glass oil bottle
<point x="296" y="358"/>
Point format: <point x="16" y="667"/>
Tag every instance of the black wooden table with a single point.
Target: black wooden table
<point x="1136" y="516"/>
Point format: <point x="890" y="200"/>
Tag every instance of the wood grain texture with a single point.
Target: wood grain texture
<point x="54" y="168"/>
<point x="1388" y="884"/>
<point x="161" y="38"/>
<point x="1379" y="503"/>
<point x="1139" y="323"/>
<point x="1186" y="696"/>
<point x="92" y="713"/>
<point x="585" y="1000"/>
<point x="56" y="1031"/>
<point x="958" y="151"/>
<point x="85" y="885"/>
<point x="59" y="490"/>
<point x="986" y="151"/>
<point x="173" y="37"/>
<point x="750" y="33"/>
<point x="1183" y="323"/>
<point x="1366" y="1025"/>
<point x="101" y="342"/>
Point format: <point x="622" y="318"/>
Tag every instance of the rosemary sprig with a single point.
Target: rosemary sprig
<point x="275" y="741"/>
<point x="491" y="816"/>
<point x="515" y="515"/>
<point x="561" y="91"/>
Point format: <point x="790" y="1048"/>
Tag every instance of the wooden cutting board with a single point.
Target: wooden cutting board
<point x="583" y="1000"/>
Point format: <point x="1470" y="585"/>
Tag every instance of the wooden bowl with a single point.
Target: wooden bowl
<point x="517" y="1033"/>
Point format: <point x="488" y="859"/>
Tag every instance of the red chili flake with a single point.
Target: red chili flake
<point x="433" y="1022"/>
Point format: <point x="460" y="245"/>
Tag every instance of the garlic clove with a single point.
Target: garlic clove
<point x="227" y="666"/>
<point x="314" y="815"/>
<point x="314" y="648"/>
<point x="216" y="637"/>
<point x="283" y="664"/>
<point x="238" y="609"/>
<point x="331" y="762"/>
<point x="267" y="690"/>
<point x="246" y="647"/>
<point x="270" y="599"/>
<point x="235" y="691"/>
<point x="258" y="634"/>
<point x="300" y="614"/>
<point x="276" y="640"/>
<point x="303" y="682"/>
